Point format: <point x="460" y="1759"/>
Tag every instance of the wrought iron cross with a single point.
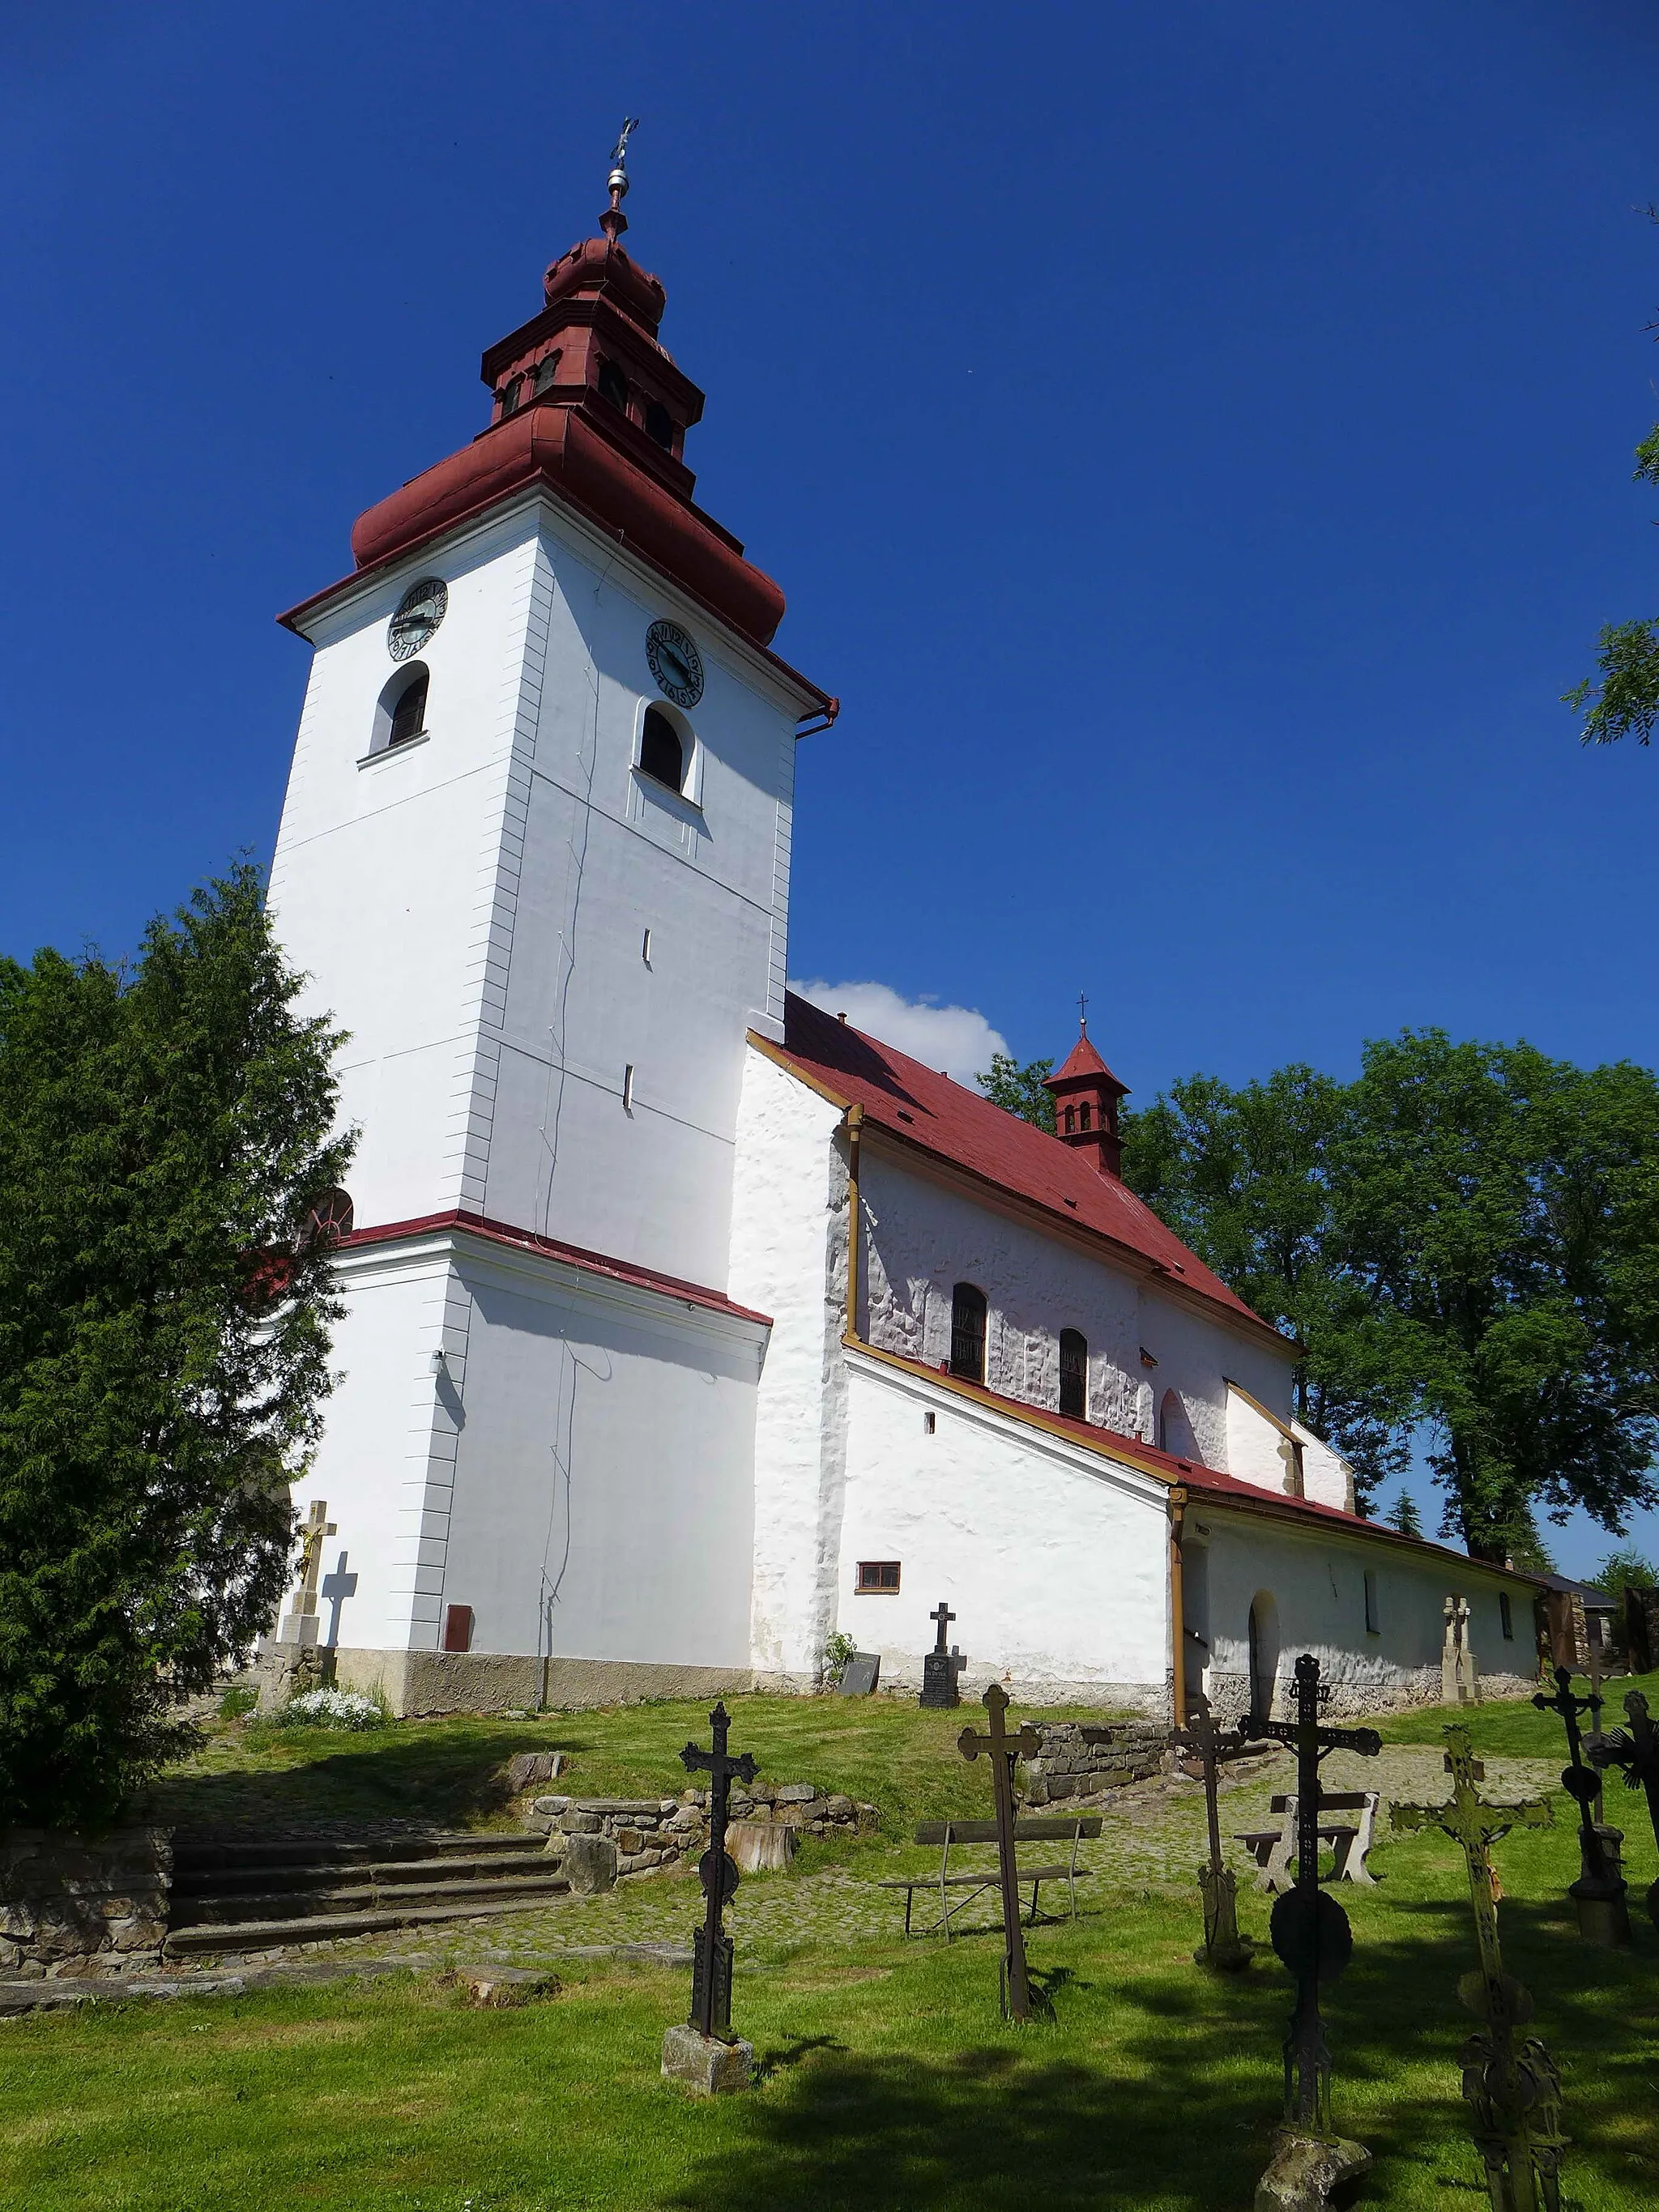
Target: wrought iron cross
<point x="711" y="1974"/>
<point x="1577" y="1779"/>
<point x="942" y="1614"/>
<point x="1514" y="2090"/>
<point x="1309" y="1928"/>
<point x="1635" y="1752"/>
<point x="1004" y="1749"/>
<point x="1218" y="1886"/>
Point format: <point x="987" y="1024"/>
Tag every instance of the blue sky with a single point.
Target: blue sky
<point x="1194" y="440"/>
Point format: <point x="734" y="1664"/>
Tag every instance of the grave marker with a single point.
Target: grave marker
<point x="940" y="1667"/>
<point x="1635" y="1752"/>
<point x="1223" y="1946"/>
<point x="705" y="2054"/>
<point x="1310" y="1930"/>
<point x="1514" y="2090"/>
<point x="1599" y="1892"/>
<point x="1003" y="1750"/>
<point x="860" y="1675"/>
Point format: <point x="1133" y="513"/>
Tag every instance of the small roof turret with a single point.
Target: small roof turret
<point x="1086" y="1096"/>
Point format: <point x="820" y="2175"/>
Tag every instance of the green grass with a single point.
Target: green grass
<point x="881" y="1751"/>
<point x="887" y="2081"/>
<point x="1514" y="1727"/>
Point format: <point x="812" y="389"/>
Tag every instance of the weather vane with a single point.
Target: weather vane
<point x="613" y="221"/>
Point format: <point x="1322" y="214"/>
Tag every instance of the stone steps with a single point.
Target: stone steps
<point x="317" y="1928"/>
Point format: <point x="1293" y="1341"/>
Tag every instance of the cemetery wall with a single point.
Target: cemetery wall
<point x="648" y="1835"/>
<point x="1070" y="1765"/>
<point x="1310" y="1588"/>
<point x="1055" y="1560"/>
<point x="789" y="1260"/>
<point x="76" y="1904"/>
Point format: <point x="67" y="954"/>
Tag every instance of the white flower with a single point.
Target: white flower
<point x="330" y="1708"/>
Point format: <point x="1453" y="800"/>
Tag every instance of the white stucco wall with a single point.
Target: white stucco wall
<point x="1326" y="1477"/>
<point x="789" y="1260"/>
<point x="1054" y="1560"/>
<point x="1316" y="1578"/>
<point x="472" y="907"/>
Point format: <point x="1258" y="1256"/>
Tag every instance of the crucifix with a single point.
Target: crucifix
<point x="1223" y="1946"/>
<point x="1599" y="1892"/>
<point x="1513" y="2088"/>
<point x="940" y="1667"/>
<point x="1635" y="1752"/>
<point x="1310" y="1930"/>
<point x="1082" y="1010"/>
<point x="711" y="1971"/>
<point x="300" y="1626"/>
<point x="1004" y="1749"/>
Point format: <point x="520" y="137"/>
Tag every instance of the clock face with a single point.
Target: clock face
<point x="675" y="662"/>
<point x="419" y="612"/>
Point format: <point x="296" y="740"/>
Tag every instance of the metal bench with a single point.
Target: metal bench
<point x="1273" y="1849"/>
<point x="951" y="1834"/>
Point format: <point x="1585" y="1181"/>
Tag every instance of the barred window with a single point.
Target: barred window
<point x="967" y="1332"/>
<point x="1074" y="1374"/>
<point x="409" y="715"/>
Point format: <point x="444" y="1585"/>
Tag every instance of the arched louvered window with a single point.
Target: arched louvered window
<point x="511" y="393"/>
<point x="662" y="755"/>
<point x="409" y="715"/>
<point x="1074" y="1374"/>
<point x="546" y="369"/>
<point x="967" y="1332"/>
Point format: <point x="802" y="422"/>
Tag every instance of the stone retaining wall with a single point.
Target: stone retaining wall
<point x="650" y="1834"/>
<point x="1079" y="1760"/>
<point x="76" y="1904"/>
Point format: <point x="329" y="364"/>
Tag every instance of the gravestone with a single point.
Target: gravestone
<point x="1634" y="1751"/>
<point x="1599" y="1892"/>
<point x="860" y="1675"/>
<point x="704" y="2054"/>
<point x="1004" y="1749"/>
<point x="1222" y="1947"/>
<point x="940" y="1669"/>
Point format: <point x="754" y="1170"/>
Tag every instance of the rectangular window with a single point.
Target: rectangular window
<point x="878" y="1578"/>
<point x="1372" y="1628"/>
<point x="1505" y="1616"/>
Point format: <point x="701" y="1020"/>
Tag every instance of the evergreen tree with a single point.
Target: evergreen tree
<point x="1404" y="1515"/>
<point x="165" y="1303"/>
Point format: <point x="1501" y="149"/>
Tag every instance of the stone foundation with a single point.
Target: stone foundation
<point x="417" y="1683"/>
<point x="76" y="1905"/>
<point x="1078" y="1760"/>
<point x="653" y="1834"/>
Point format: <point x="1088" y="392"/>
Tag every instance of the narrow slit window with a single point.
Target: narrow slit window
<point x="613" y="385"/>
<point x="1373" y="1619"/>
<point x="1505" y="1616"/>
<point x="1074" y="1374"/>
<point x="967" y="1332"/>
<point x="878" y="1578"/>
<point x="660" y="425"/>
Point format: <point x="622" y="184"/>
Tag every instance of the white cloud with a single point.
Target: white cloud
<point x="957" y="1039"/>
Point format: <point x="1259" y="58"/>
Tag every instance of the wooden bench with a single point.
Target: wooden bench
<point x="952" y="1835"/>
<point x="1273" y="1849"/>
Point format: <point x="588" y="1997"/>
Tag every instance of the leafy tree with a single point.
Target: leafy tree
<point x="1018" y="1089"/>
<point x="1243" y="1176"/>
<point x="1626" y="1568"/>
<point x="1622" y="698"/>
<point x="165" y="1303"/>
<point x="1404" y="1515"/>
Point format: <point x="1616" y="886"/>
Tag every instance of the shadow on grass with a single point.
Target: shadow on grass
<point x="1161" y="2091"/>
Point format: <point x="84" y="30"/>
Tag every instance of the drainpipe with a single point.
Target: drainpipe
<point x="1178" y="1605"/>
<point x="855" y="1125"/>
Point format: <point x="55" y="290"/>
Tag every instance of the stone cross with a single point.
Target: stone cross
<point x="1457" y="1686"/>
<point x="1309" y="1928"/>
<point x="942" y="1614"/>
<point x="1513" y="2089"/>
<point x="1004" y="1749"/>
<point x="711" y="1971"/>
<point x="1599" y="1892"/>
<point x="1635" y="1752"/>
<point x="940" y="1667"/>
<point x="1223" y="1946"/>
<point x="300" y="1626"/>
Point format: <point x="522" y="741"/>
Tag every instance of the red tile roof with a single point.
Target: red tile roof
<point x="926" y="1108"/>
<point x="1084" y="1060"/>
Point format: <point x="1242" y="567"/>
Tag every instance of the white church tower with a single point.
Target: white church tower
<point x="534" y="860"/>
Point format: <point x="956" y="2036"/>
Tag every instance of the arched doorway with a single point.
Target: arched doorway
<point x="1195" y="1592"/>
<point x="1264" y="1653"/>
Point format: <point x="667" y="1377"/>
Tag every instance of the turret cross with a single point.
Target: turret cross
<point x="1309" y="1928"/>
<point x="711" y="1972"/>
<point x="1003" y="1750"/>
<point x="1515" y="2091"/>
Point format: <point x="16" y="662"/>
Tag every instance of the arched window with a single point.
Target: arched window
<point x="329" y="1217"/>
<point x="509" y="395"/>
<point x="967" y="1332"/>
<point x="662" y="755"/>
<point x="660" y="425"/>
<point x="409" y="715"/>
<point x="546" y="369"/>
<point x="1175" y="1430"/>
<point x="613" y="384"/>
<point x="1074" y="1374"/>
<point x="1264" y="1653"/>
<point x="1071" y="1120"/>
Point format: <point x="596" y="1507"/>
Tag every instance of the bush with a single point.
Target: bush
<point x="838" y="1651"/>
<point x="236" y="1703"/>
<point x="331" y="1709"/>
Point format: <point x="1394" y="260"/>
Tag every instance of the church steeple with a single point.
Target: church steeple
<point x="585" y="397"/>
<point x="1086" y="1096"/>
